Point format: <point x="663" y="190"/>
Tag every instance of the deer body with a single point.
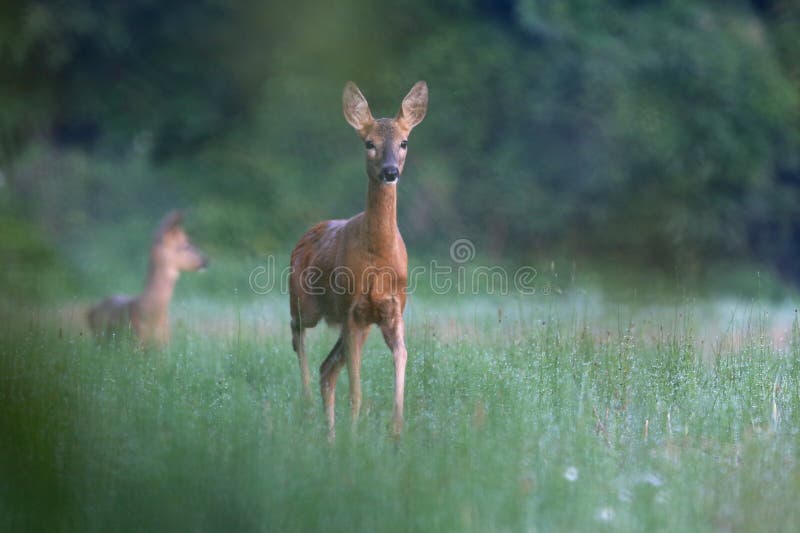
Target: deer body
<point x="147" y="315"/>
<point x="353" y="273"/>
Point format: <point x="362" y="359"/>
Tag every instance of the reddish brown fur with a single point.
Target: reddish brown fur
<point x="353" y="272"/>
<point x="147" y="315"/>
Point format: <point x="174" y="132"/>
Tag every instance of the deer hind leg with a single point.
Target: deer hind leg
<point x="305" y="314"/>
<point x="299" y="346"/>
<point x="354" y="335"/>
<point x="393" y="331"/>
<point x="328" y="374"/>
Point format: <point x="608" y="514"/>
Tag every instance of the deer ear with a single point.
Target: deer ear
<point x="171" y="222"/>
<point x="356" y="109"/>
<point x="414" y="105"/>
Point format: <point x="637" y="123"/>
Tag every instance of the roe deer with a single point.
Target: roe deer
<point x="148" y="314"/>
<point x="353" y="272"/>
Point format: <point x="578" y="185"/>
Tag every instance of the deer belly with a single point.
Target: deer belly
<point x="384" y="309"/>
<point x="113" y="313"/>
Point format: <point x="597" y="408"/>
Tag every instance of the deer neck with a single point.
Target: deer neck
<point x="159" y="286"/>
<point x="380" y="218"/>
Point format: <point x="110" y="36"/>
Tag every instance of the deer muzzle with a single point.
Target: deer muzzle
<point x="390" y="174"/>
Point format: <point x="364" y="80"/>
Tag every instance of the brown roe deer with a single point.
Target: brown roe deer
<point x="147" y="315"/>
<point x="353" y="273"/>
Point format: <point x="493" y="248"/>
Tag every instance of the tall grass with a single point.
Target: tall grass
<point x="520" y="417"/>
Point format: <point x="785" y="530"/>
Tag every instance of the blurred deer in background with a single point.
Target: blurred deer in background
<point x="147" y="315"/>
<point x="353" y="272"/>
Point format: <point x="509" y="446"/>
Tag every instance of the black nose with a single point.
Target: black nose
<point x="390" y="174"/>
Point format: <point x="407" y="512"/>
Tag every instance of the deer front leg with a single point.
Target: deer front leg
<point x="394" y="334"/>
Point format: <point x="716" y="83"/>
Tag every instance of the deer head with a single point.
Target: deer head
<point x="172" y="249"/>
<point x="385" y="139"/>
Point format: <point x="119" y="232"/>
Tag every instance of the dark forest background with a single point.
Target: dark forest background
<point x="655" y="136"/>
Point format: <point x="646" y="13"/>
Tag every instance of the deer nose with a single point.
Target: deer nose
<point x="390" y="174"/>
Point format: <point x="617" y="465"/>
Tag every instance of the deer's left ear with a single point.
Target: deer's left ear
<point x="414" y="105"/>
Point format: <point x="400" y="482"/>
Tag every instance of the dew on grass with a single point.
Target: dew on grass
<point x="651" y="479"/>
<point x="605" y="514"/>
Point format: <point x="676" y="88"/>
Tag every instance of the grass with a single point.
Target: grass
<point x="547" y="414"/>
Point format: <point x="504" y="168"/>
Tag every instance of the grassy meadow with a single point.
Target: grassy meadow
<point x="571" y="412"/>
<point x="643" y="156"/>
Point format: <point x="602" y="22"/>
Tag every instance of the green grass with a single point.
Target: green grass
<point x="555" y="414"/>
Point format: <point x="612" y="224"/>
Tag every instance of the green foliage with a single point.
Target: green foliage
<point x="30" y="268"/>
<point x="661" y="134"/>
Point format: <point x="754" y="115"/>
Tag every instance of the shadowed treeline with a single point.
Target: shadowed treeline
<point x="652" y="134"/>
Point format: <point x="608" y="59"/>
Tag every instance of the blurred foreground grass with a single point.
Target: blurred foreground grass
<point x="542" y="414"/>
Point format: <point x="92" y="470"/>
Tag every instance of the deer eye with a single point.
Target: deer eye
<point x="370" y="145"/>
<point x="403" y="144"/>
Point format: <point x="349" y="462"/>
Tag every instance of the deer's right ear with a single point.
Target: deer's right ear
<point x="172" y="221"/>
<point x="356" y="109"/>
